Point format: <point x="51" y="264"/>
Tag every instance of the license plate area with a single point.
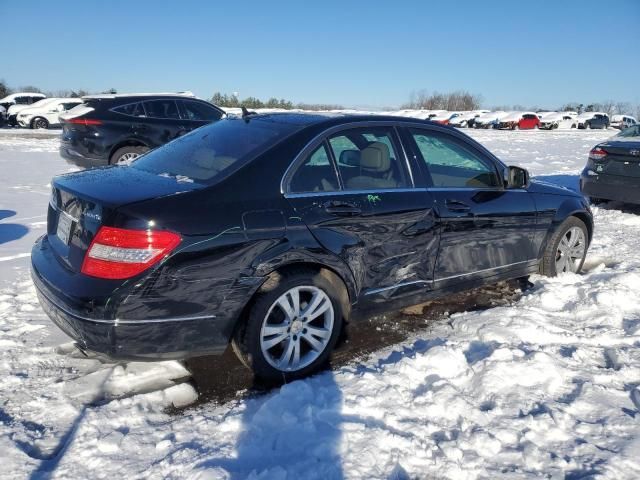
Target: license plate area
<point x="65" y="225"/>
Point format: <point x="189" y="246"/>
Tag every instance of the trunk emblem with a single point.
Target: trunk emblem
<point x="93" y="216"/>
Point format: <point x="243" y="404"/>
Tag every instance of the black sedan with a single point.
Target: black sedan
<point x="613" y="169"/>
<point x="270" y="232"/>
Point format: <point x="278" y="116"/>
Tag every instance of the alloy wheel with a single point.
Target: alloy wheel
<point x="297" y="328"/>
<point x="127" y="158"/>
<point x="571" y="251"/>
<point x="41" y="123"/>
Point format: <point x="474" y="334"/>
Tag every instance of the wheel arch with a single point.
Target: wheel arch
<point x="130" y="142"/>
<point x="566" y="211"/>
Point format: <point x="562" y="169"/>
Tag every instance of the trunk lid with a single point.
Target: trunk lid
<point x="82" y="202"/>
<point x="623" y="159"/>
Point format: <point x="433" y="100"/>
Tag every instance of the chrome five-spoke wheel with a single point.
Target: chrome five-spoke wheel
<point x="297" y="328"/>
<point x="571" y="251"/>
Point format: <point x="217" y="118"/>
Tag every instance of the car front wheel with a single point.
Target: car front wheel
<point x="40" y="122"/>
<point x="292" y="326"/>
<point x="566" y="249"/>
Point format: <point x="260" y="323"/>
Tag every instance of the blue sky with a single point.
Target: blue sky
<point x="355" y="53"/>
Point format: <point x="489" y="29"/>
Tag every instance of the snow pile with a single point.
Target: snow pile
<point x="547" y="386"/>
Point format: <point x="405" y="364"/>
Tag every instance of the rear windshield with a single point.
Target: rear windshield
<point x="633" y="131"/>
<point x="212" y="152"/>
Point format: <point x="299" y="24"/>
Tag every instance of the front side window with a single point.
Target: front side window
<point x="22" y="101"/>
<point x="165" y="109"/>
<point x="316" y="174"/>
<point x="131" y="109"/>
<point x="199" y="111"/>
<point x="451" y="164"/>
<point x="368" y="159"/>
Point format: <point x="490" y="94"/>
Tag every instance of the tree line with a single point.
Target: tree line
<point x="458" y="100"/>
<point x="233" y="101"/>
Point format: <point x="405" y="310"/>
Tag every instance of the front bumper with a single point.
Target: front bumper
<point x="610" y="187"/>
<point x="143" y="338"/>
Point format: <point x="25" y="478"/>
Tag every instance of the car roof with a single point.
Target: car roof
<point x="137" y="95"/>
<point x="333" y="118"/>
<point x="20" y="94"/>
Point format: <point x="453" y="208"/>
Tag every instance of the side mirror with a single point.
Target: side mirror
<point x="516" y="177"/>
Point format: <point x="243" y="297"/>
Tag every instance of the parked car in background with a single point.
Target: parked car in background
<point x="558" y="120"/>
<point x="623" y="121"/>
<point x="444" y="118"/>
<point x="16" y="101"/>
<point x="519" y="121"/>
<point x="109" y="129"/>
<point x="45" y="113"/>
<point x="593" y="120"/>
<point x="613" y="169"/>
<point x="489" y="120"/>
<point x="466" y="119"/>
<point x="271" y="231"/>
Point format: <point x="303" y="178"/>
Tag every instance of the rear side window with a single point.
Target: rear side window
<point x="316" y="174"/>
<point x="165" y="108"/>
<point x="131" y="109"/>
<point x="368" y="159"/>
<point x="214" y="151"/>
<point x="22" y="100"/>
<point x="453" y="165"/>
<point x="198" y="111"/>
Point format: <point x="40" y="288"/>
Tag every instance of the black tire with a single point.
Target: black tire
<point x="39" y="122"/>
<point x="597" y="201"/>
<point x="246" y="340"/>
<point x="118" y="155"/>
<point x="548" y="263"/>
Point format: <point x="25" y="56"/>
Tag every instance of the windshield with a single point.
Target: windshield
<point x="214" y="151"/>
<point x="630" y="132"/>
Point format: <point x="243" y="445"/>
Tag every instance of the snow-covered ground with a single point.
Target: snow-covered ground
<point x="546" y="386"/>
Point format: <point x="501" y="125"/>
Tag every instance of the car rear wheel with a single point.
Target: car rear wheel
<point x="126" y="155"/>
<point x="39" y="122"/>
<point x="292" y="326"/>
<point x="567" y="248"/>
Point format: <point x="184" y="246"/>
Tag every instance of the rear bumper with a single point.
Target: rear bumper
<point x="94" y="329"/>
<point x="611" y="187"/>
<point x="74" y="157"/>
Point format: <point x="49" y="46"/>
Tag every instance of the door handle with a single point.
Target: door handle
<point x="457" y="206"/>
<point x="343" y="209"/>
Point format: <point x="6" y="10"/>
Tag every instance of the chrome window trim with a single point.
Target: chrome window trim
<point x="318" y="139"/>
<point x="354" y="192"/>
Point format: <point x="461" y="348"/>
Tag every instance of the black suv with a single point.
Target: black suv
<point x="111" y="129"/>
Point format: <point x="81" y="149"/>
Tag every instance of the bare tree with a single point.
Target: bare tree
<point x="607" y="106"/>
<point x="622" y="107"/>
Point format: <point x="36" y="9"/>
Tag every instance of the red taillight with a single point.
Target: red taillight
<point x="597" y="153"/>
<point x="84" y="121"/>
<point x="116" y="253"/>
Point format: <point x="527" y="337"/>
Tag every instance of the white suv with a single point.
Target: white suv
<point x="44" y="113"/>
<point x="14" y="102"/>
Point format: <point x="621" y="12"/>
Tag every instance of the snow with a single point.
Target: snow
<point x="544" y="386"/>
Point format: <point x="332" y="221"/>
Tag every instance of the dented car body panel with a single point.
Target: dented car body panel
<point x="391" y="247"/>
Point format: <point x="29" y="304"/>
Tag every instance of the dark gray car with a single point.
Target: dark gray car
<point x="613" y="169"/>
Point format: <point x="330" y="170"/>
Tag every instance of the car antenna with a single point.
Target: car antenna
<point x="246" y="113"/>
